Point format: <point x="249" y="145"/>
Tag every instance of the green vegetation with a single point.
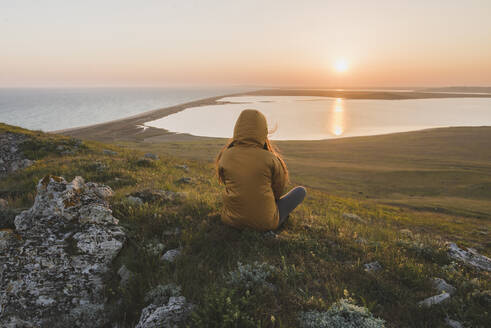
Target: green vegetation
<point x="316" y="261"/>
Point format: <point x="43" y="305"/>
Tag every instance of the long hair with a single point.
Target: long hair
<point x="268" y="145"/>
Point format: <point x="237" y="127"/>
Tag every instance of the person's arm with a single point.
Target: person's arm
<point x="278" y="179"/>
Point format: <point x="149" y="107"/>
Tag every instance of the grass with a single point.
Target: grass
<point x="318" y="257"/>
<point x="440" y="170"/>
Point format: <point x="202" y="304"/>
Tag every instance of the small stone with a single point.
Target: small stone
<point x="134" y="200"/>
<point x="183" y="167"/>
<point x="442" y="286"/>
<point x="151" y="156"/>
<point x="354" y="217"/>
<point x="452" y="323"/>
<point x="186" y="180"/>
<point x="437" y="299"/>
<point x="372" y="266"/>
<point x="171" y="255"/>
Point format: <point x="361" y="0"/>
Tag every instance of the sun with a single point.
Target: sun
<point x="341" y="65"/>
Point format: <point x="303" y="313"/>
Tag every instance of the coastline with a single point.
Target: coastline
<point x="131" y="128"/>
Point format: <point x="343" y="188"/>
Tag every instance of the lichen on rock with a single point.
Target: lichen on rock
<point x="53" y="274"/>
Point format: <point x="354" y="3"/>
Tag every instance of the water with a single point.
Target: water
<point x="313" y="118"/>
<point x="54" y="109"/>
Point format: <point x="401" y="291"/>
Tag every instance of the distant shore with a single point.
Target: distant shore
<point x="132" y="128"/>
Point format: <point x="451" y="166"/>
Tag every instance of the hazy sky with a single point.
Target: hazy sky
<point x="263" y="42"/>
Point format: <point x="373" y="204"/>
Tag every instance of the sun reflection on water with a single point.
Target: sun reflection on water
<point x="337" y="118"/>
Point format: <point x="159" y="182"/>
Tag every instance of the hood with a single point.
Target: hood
<point x="251" y="127"/>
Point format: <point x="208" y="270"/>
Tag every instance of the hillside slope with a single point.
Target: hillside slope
<point x="251" y="279"/>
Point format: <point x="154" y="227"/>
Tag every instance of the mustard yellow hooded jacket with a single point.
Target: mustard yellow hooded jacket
<point x="253" y="176"/>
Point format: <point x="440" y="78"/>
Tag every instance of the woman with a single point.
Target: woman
<point x="254" y="175"/>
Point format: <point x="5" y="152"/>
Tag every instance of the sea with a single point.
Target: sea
<point x="51" y="109"/>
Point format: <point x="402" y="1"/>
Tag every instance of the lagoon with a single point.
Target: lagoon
<point x="315" y="118"/>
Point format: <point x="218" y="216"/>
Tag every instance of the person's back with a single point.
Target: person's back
<point x="254" y="177"/>
<point x="248" y="176"/>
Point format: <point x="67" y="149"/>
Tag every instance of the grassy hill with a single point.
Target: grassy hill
<point x="319" y="257"/>
<point x="446" y="170"/>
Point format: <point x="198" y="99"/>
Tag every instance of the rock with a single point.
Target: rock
<point x="372" y="266"/>
<point x="134" y="200"/>
<point x="165" y="315"/>
<point x="149" y="195"/>
<point x="3" y="204"/>
<point x="109" y="152"/>
<point x="184" y="180"/>
<point x="470" y="257"/>
<point x="124" y="274"/>
<point x="430" y="301"/>
<point x="354" y="217"/>
<point x="182" y="167"/>
<point x="442" y="286"/>
<point x="406" y="233"/>
<point x="171" y="255"/>
<point x="151" y="156"/>
<point x="452" y="323"/>
<point x="54" y="272"/>
<point x="11" y="156"/>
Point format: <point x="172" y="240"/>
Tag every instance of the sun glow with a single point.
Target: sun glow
<point x="341" y="65"/>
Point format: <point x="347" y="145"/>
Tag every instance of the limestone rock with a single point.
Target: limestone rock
<point x="470" y="257"/>
<point x="167" y="308"/>
<point x="182" y="167"/>
<point x="437" y="299"/>
<point x="53" y="274"/>
<point x="442" y="286"/>
<point x="171" y="255"/>
<point x="452" y="323"/>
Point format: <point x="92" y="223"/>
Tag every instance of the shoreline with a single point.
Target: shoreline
<point x="131" y="128"/>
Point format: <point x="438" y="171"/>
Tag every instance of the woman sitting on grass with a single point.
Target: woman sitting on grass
<point x="254" y="176"/>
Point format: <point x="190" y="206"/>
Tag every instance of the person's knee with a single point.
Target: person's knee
<point x="302" y="192"/>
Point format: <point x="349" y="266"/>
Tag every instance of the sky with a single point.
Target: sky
<point x="393" y="43"/>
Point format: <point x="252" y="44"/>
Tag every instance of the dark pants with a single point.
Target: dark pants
<point x="288" y="202"/>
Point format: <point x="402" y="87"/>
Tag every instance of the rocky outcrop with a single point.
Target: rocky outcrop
<point x="52" y="266"/>
<point x="11" y="157"/>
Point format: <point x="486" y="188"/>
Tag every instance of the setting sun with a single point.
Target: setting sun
<point x="341" y="65"/>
